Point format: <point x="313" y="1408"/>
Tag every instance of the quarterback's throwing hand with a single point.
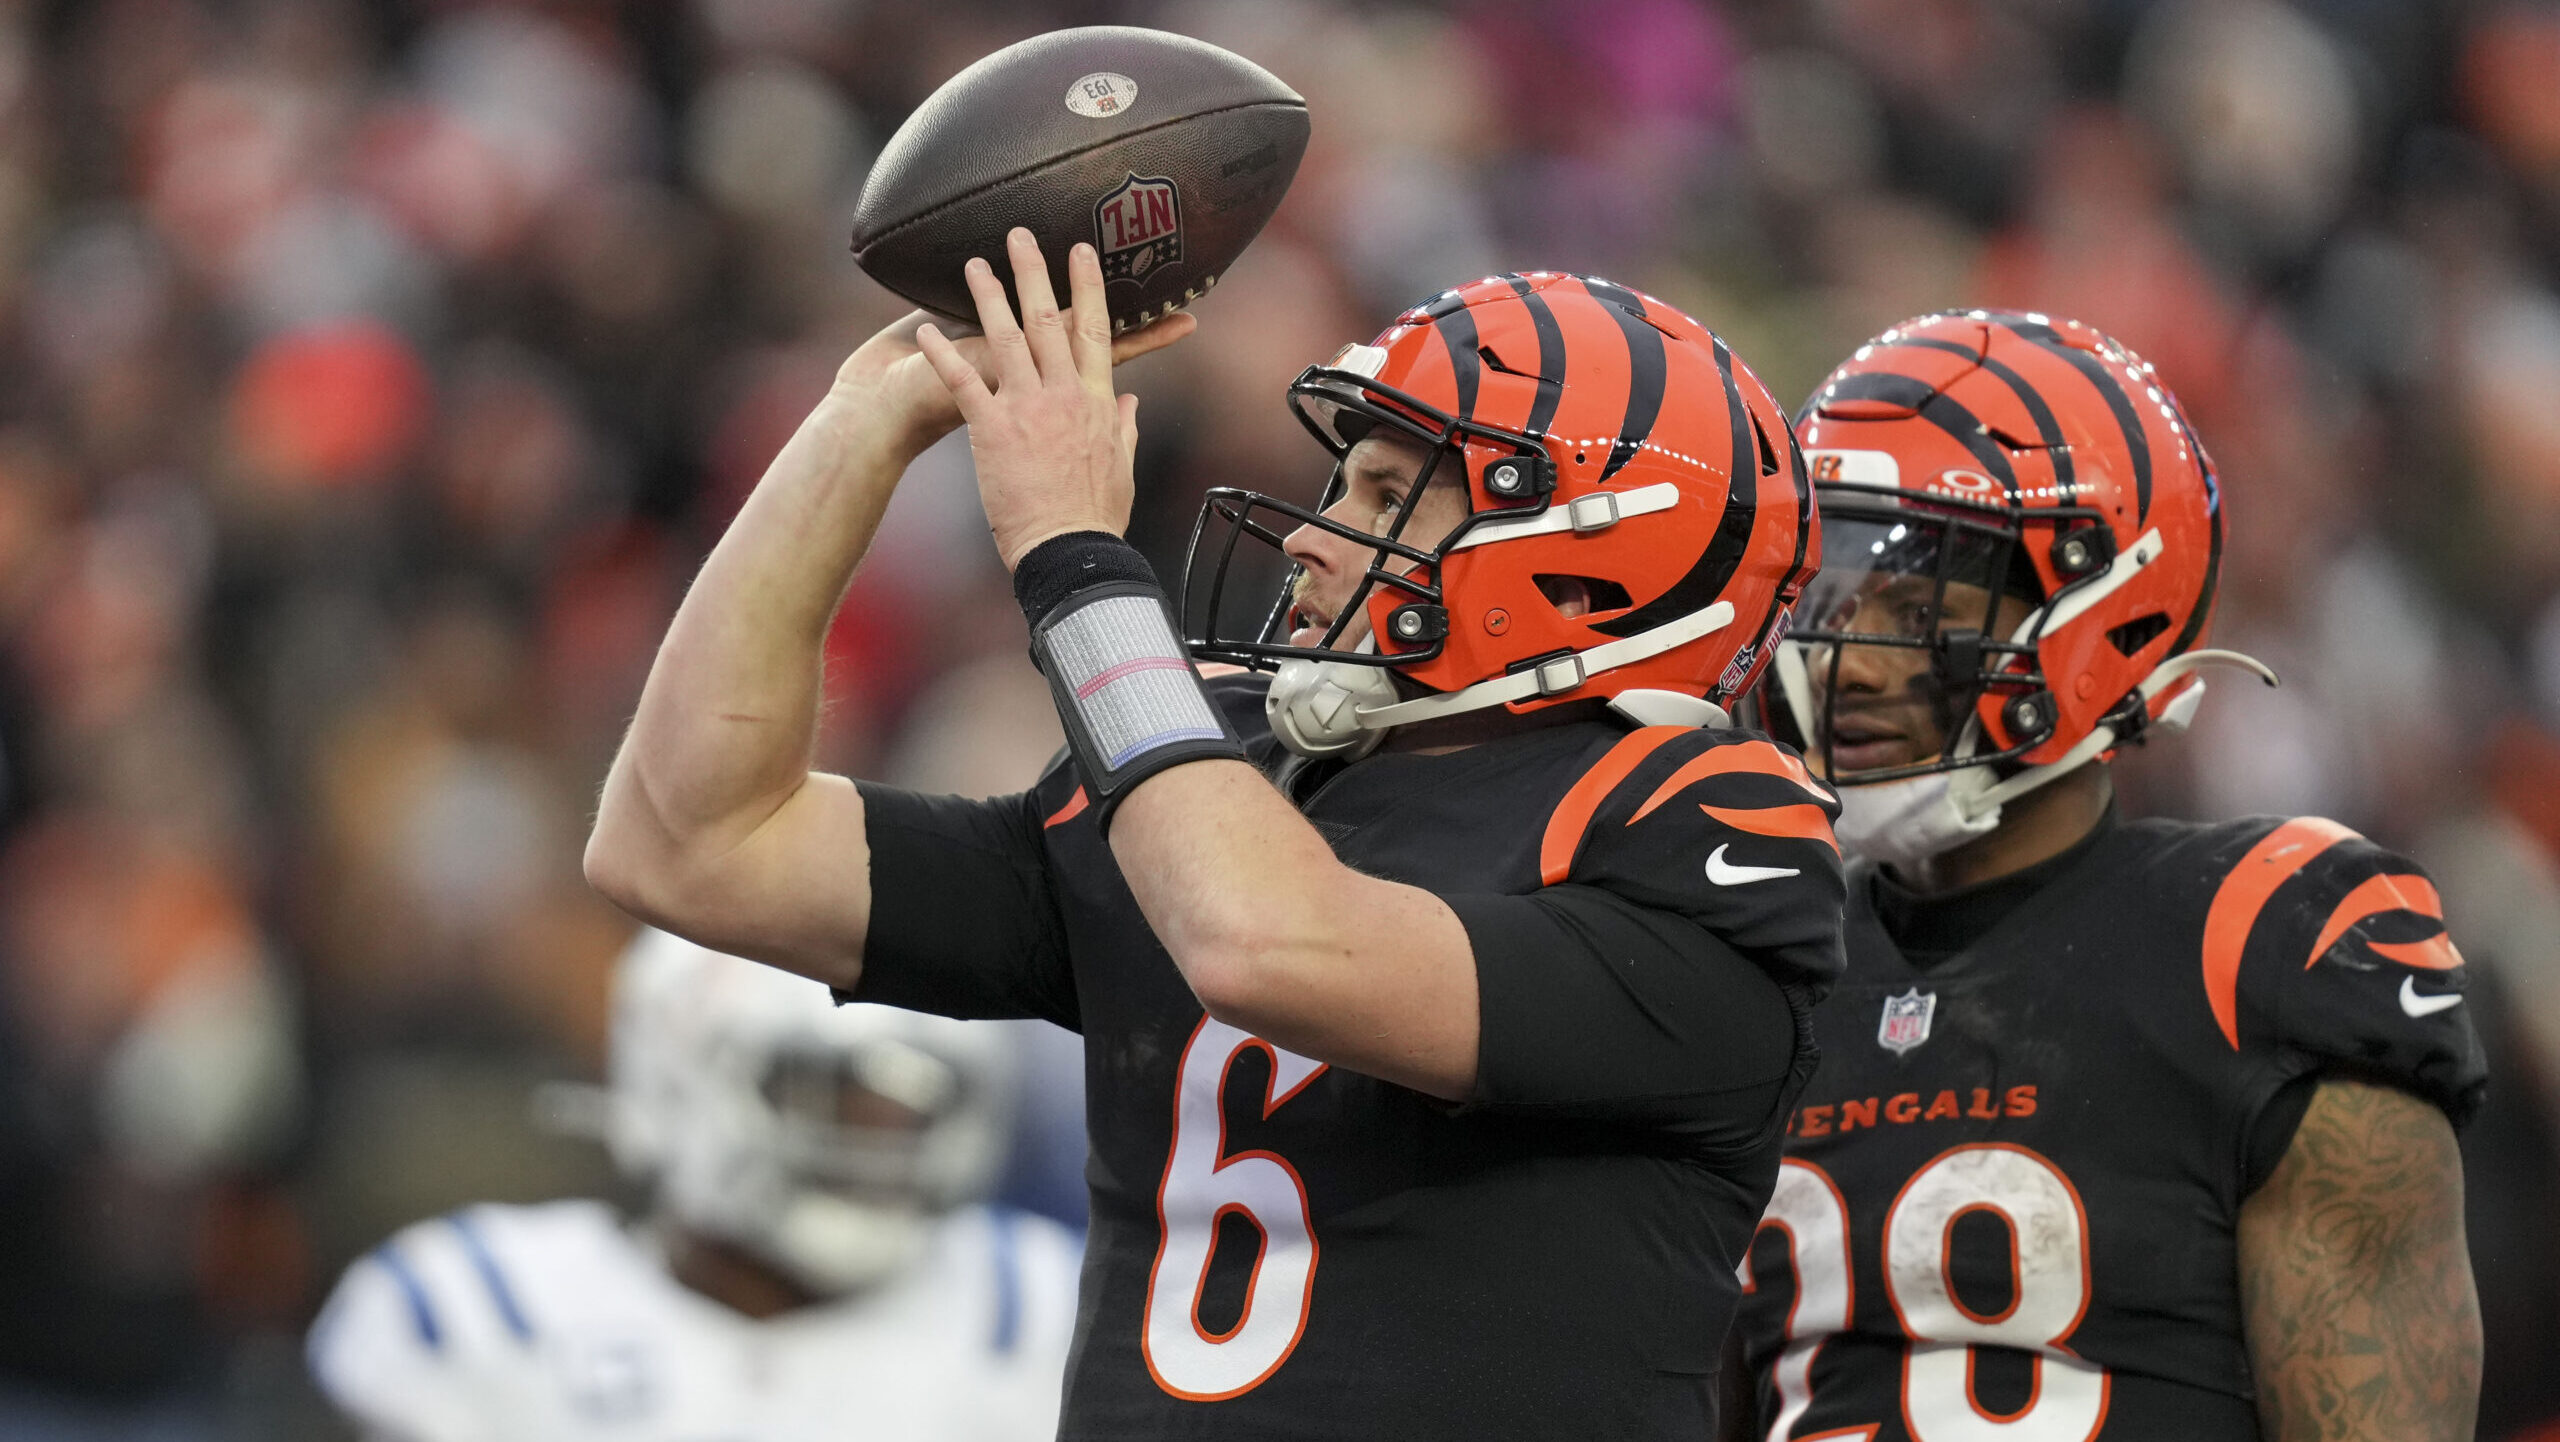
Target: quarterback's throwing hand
<point x="1051" y="440"/>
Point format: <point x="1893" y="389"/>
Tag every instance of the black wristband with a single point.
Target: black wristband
<point x="1063" y="565"/>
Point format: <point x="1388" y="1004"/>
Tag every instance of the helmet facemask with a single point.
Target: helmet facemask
<point x="1341" y="404"/>
<point x="830" y="1160"/>
<point x="823" y="1140"/>
<point x="1924" y="608"/>
<point x="860" y="1153"/>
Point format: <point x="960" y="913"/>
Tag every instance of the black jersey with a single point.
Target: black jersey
<point x="2010" y="1199"/>
<point x="1282" y="1249"/>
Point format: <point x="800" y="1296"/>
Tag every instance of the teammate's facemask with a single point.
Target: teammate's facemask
<point x="1964" y="459"/>
<point x="1904" y="633"/>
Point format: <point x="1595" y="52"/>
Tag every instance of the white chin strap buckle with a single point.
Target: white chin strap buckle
<point x="1560" y="675"/>
<point x="1307" y="699"/>
<point x="1314" y="706"/>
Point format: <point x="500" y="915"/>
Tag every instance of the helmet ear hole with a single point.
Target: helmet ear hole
<point x="1575" y="597"/>
<point x="2133" y="635"/>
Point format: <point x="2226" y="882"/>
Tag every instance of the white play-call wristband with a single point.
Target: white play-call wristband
<point x="1126" y="693"/>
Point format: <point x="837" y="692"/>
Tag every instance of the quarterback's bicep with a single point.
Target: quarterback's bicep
<point x="1591" y="1005"/>
<point x="964" y="921"/>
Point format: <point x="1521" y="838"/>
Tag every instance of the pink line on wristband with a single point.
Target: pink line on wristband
<point x="1130" y="668"/>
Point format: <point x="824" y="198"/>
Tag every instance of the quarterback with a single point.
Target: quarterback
<point x="2124" y="1130"/>
<point x="1443" y="994"/>
<point x="815" y="1265"/>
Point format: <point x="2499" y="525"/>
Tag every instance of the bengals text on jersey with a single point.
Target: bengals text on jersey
<point x="2010" y="1193"/>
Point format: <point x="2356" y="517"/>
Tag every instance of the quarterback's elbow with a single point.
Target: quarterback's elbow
<point x="1221" y="973"/>
<point x="1231" y="992"/>
<point x="621" y="868"/>
<point x="635" y="862"/>
<point x="638" y="856"/>
<point x="1253" y="974"/>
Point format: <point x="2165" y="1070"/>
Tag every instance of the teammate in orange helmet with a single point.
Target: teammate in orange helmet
<point x="1443" y="995"/>
<point x="2124" y="1130"/>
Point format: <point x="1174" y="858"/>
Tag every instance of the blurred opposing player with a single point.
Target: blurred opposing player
<point x="2123" y="1129"/>
<point x="815" y="1266"/>
<point x="1443" y="996"/>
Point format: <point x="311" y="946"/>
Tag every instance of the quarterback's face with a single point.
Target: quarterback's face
<point x="1888" y="710"/>
<point x="1379" y="477"/>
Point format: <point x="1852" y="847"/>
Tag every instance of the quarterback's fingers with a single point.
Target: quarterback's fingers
<point x="968" y="388"/>
<point x="1041" y="320"/>
<point x="1089" y="325"/>
<point x="1153" y="336"/>
<point x="1005" y="344"/>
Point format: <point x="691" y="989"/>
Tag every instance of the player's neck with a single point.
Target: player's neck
<point x="2035" y="828"/>
<point x="731" y="1276"/>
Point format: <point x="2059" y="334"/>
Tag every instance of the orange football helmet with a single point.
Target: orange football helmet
<point x="2030" y="457"/>
<point x="1602" y="435"/>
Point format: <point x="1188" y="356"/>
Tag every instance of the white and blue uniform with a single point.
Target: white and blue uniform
<point x="559" y="1323"/>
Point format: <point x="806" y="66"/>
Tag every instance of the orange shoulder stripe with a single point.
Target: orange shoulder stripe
<point x="1763" y="757"/>
<point x="1069" y="812"/>
<point x="2242" y="895"/>
<point x="1803" y="820"/>
<point x="2377" y="895"/>
<point x="1573" y="814"/>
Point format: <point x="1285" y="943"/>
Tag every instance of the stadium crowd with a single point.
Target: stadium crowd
<point x="372" y="376"/>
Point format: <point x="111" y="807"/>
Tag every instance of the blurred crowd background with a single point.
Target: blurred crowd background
<point x="373" y="375"/>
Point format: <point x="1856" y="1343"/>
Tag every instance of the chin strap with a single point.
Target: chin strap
<point x="1554" y="677"/>
<point x="1987" y="796"/>
<point x="1670" y="708"/>
<point x="1340" y="709"/>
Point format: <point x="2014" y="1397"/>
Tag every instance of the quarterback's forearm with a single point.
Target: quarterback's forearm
<point x="2356" y="1280"/>
<point x="710" y="805"/>
<point x="1278" y="937"/>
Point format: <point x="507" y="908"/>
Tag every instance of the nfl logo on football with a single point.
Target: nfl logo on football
<point x="1906" y="1020"/>
<point x="1137" y="227"/>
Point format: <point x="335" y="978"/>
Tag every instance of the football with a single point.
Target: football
<point x="1167" y="153"/>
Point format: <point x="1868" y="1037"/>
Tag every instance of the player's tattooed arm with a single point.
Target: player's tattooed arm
<point x="2356" y="1279"/>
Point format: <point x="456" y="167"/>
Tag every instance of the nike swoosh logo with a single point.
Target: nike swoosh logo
<point x="2416" y="1005"/>
<point x="1724" y="873"/>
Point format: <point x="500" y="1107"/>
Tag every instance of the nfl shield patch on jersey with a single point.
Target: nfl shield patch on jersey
<point x="1906" y="1020"/>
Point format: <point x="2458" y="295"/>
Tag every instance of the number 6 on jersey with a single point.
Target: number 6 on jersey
<point x="1202" y="1184"/>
